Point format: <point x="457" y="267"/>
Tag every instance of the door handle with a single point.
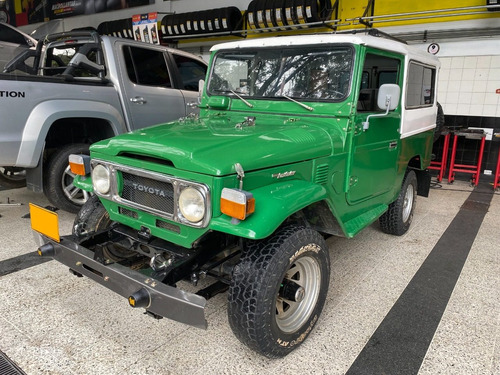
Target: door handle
<point x="393" y="145"/>
<point x="138" y="100"/>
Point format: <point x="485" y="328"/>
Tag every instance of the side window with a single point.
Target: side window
<point x="190" y="71"/>
<point x="146" y="66"/>
<point x="377" y="70"/>
<point x="421" y="88"/>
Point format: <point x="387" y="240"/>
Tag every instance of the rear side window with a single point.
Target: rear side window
<point x="146" y="66"/>
<point x="421" y="86"/>
<point x="190" y="71"/>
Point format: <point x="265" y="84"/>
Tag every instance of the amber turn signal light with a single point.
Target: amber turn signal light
<point x="237" y="203"/>
<point x="79" y="164"/>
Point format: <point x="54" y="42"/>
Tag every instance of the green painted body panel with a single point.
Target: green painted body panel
<point x="292" y="157"/>
<point x="83" y="182"/>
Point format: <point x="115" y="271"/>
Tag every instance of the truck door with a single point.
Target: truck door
<point x="190" y="71"/>
<point x="375" y="150"/>
<point x="148" y="90"/>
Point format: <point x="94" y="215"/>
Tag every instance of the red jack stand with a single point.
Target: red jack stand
<point x="473" y="169"/>
<point x="441" y="165"/>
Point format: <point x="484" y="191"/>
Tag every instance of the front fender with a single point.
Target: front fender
<point x="84" y="183"/>
<point x="273" y="204"/>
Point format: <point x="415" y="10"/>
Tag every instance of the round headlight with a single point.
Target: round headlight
<point x="101" y="179"/>
<point x="192" y="204"/>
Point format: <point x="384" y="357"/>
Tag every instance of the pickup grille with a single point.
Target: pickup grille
<point x="148" y="192"/>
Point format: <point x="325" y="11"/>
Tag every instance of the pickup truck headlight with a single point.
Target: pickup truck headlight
<point x="101" y="179"/>
<point x="192" y="204"/>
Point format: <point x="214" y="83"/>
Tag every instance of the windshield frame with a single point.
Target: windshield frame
<point x="327" y="49"/>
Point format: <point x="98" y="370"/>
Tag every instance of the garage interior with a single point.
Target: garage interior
<point x="427" y="302"/>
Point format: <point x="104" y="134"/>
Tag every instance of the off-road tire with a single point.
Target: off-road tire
<point x="439" y="122"/>
<point x="258" y="280"/>
<point x="91" y="218"/>
<point x="397" y="219"/>
<point x="58" y="180"/>
<point x="12" y="177"/>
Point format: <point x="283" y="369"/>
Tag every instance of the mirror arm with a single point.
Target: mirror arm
<point x="366" y="123"/>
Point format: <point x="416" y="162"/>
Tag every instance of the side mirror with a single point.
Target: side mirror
<point x="388" y="96"/>
<point x="388" y="99"/>
<point x="201" y="86"/>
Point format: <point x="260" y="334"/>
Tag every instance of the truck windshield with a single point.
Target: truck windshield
<point x="303" y="73"/>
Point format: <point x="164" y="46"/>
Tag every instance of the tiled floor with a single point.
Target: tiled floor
<point x="54" y="323"/>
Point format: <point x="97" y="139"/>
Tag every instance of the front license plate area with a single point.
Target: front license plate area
<point x="45" y="222"/>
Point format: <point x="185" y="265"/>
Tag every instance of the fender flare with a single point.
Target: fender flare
<point x="273" y="205"/>
<point x="45" y="114"/>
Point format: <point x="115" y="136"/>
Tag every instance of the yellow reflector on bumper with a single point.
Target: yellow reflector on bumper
<point x="45" y="222"/>
<point x="237" y="203"/>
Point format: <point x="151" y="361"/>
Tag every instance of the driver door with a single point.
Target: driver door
<point x="376" y="149"/>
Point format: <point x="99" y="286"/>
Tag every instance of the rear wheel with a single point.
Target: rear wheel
<point x="278" y="290"/>
<point x="12" y="177"/>
<point x="397" y="219"/>
<point x="58" y="179"/>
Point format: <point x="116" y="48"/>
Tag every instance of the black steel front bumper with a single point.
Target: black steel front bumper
<point x="164" y="300"/>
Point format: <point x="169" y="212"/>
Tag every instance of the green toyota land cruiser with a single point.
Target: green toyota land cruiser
<point x="299" y="138"/>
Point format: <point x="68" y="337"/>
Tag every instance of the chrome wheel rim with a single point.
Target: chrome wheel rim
<point x="305" y="274"/>
<point x="73" y="193"/>
<point x="408" y="203"/>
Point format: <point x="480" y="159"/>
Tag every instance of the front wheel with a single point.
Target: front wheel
<point x="58" y="179"/>
<point x="278" y="290"/>
<point x="397" y="219"/>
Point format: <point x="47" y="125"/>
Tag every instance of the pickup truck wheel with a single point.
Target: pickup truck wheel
<point x="278" y="290"/>
<point x="12" y="177"/>
<point x="397" y="219"/>
<point x="58" y="179"/>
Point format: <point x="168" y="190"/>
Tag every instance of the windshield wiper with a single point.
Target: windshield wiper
<point x="242" y="99"/>
<point x="237" y="95"/>
<point x="299" y="103"/>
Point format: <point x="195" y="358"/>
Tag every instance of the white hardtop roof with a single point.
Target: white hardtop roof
<point x="316" y="39"/>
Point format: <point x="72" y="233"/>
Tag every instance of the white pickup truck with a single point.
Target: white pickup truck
<point x="82" y="88"/>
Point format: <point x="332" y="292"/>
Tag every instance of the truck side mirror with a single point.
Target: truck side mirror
<point x="388" y="99"/>
<point x="388" y="96"/>
<point x="201" y="86"/>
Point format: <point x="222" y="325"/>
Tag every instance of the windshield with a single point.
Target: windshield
<point x="305" y="73"/>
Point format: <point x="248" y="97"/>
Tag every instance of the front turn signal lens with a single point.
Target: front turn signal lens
<point x="236" y="203"/>
<point x="79" y="164"/>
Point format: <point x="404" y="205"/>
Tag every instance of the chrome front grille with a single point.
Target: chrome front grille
<point x="135" y="189"/>
<point x="148" y="192"/>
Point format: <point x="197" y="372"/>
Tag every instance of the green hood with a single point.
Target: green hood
<point x="213" y="145"/>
